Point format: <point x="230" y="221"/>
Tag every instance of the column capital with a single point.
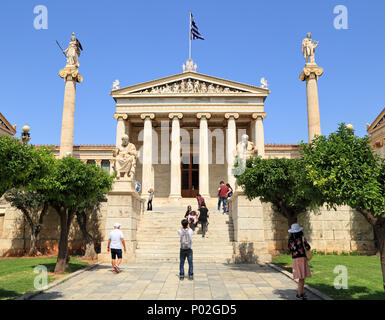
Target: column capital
<point x="70" y="74"/>
<point x="257" y="115"/>
<point x="204" y="114"/>
<point x="174" y="115"/>
<point x="143" y="116"/>
<point x="234" y="115"/>
<point x="311" y="72"/>
<point x="124" y="116"/>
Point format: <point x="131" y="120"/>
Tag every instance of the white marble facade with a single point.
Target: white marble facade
<point x="186" y="127"/>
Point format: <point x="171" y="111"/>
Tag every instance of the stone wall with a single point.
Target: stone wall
<point x="327" y="230"/>
<point x="259" y="230"/>
<point x="15" y="233"/>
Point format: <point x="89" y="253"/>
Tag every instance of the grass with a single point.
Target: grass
<point x="17" y="274"/>
<point x="364" y="275"/>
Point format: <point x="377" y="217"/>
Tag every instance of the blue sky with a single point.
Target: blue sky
<point x="136" y="41"/>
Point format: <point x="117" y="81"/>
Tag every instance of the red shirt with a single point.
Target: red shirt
<point x="224" y="190"/>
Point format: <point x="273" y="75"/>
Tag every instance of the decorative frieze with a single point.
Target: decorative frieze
<point x="189" y="86"/>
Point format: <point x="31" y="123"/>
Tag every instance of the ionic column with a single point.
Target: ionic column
<point x="231" y="141"/>
<point x="259" y="134"/>
<point x="175" y="177"/>
<point x="147" y="170"/>
<point x="310" y="74"/>
<point x="120" y="127"/>
<point x="70" y="76"/>
<point x="204" y="154"/>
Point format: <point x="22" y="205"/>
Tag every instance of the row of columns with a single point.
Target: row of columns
<point x="175" y="174"/>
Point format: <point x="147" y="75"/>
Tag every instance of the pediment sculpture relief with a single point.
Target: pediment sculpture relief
<point x="189" y="86"/>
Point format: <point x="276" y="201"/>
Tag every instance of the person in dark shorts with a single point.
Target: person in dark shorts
<point x="202" y="218"/>
<point x="115" y="245"/>
<point x="185" y="234"/>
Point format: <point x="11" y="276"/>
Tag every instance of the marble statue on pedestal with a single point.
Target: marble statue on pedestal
<point x="125" y="159"/>
<point x="308" y="48"/>
<point x="245" y="150"/>
<point x="73" y="52"/>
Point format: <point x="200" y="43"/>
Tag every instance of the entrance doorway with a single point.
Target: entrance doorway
<point x="190" y="176"/>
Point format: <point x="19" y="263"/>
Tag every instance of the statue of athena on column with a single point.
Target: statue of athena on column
<point x="73" y="52"/>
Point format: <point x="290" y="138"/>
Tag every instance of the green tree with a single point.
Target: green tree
<point x="70" y="186"/>
<point x="84" y="214"/>
<point x="34" y="207"/>
<point x="283" y="183"/>
<point x="346" y="171"/>
<point x="22" y="165"/>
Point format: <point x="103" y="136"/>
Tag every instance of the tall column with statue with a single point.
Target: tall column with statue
<point x="71" y="76"/>
<point x="310" y="74"/>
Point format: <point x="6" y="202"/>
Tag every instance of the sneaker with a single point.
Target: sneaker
<point x="181" y="278"/>
<point x="117" y="268"/>
<point x="191" y="277"/>
<point x="302" y="297"/>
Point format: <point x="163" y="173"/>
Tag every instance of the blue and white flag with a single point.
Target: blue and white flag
<point x="194" y="32"/>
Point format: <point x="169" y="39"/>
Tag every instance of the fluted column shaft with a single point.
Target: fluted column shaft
<point x="67" y="129"/>
<point x="175" y="176"/>
<point x="259" y="134"/>
<point x="204" y="154"/>
<point x="231" y="141"/>
<point x="120" y="127"/>
<point x="147" y="170"/>
<point x="313" y="116"/>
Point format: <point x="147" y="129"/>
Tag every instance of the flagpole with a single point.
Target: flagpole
<point x="189" y="36"/>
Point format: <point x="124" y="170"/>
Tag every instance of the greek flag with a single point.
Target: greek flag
<point x="194" y="32"/>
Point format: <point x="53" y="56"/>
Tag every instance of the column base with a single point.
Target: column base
<point x="175" y="196"/>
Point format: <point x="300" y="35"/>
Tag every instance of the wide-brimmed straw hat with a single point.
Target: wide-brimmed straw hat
<point x="295" y="227"/>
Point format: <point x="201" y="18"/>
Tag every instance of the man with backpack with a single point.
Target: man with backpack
<point x="185" y="234"/>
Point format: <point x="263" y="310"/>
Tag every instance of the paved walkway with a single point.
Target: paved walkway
<point x="161" y="281"/>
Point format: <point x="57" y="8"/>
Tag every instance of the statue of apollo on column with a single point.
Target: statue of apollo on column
<point x="308" y="48"/>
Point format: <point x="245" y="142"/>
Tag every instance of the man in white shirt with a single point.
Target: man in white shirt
<point x="185" y="234"/>
<point x="115" y="244"/>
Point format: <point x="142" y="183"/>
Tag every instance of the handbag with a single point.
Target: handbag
<point x="308" y="253"/>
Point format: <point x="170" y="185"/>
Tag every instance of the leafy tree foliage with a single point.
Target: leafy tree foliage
<point x="282" y="182"/>
<point x="346" y="171"/>
<point x="34" y="207"/>
<point x="22" y="165"/>
<point x="70" y="186"/>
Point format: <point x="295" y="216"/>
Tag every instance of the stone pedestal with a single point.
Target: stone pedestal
<point x="310" y="74"/>
<point x="249" y="232"/>
<point x="123" y="206"/>
<point x="70" y="76"/>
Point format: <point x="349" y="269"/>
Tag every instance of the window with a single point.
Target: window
<point x="106" y="165"/>
<point x="91" y="162"/>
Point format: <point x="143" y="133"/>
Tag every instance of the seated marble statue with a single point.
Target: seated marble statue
<point x="125" y="159"/>
<point x="246" y="149"/>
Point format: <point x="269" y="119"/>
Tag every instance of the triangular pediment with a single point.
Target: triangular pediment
<point x="190" y="83"/>
<point x="6" y="126"/>
<point x="378" y="123"/>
